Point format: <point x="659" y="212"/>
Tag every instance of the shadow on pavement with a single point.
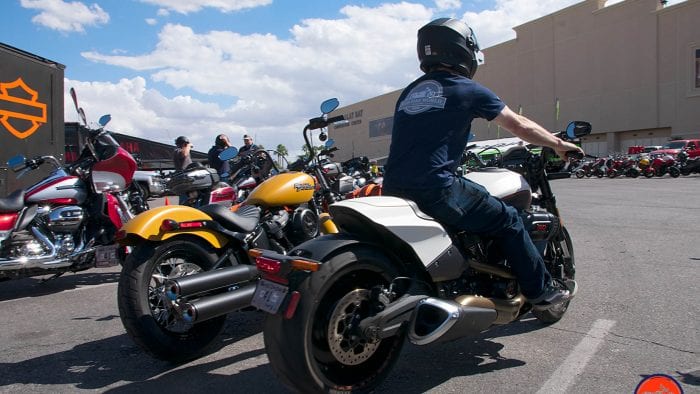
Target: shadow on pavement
<point x="37" y="287"/>
<point x="118" y="361"/>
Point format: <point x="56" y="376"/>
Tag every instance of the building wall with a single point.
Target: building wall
<point x="630" y="69"/>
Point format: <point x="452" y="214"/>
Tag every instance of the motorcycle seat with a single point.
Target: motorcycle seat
<point x="245" y="219"/>
<point x="13" y="202"/>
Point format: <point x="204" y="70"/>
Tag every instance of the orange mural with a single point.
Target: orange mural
<point x="16" y="107"/>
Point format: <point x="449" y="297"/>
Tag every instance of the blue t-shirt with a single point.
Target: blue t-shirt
<point x="432" y="121"/>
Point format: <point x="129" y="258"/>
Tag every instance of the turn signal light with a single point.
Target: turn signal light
<point x="305" y="265"/>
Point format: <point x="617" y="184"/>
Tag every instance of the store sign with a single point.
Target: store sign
<point x="21" y="112"/>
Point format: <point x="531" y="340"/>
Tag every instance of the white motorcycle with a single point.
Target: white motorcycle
<point x="341" y="305"/>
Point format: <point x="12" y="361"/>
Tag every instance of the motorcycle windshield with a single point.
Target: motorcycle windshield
<point x="105" y="146"/>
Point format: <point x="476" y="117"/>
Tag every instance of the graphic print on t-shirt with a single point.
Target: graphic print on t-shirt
<point x="424" y="96"/>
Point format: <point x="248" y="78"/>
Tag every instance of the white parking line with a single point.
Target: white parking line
<point x="567" y="372"/>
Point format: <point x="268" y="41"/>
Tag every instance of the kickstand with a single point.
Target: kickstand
<point x="52" y="277"/>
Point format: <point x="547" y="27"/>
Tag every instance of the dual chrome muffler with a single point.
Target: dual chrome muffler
<point x="236" y="286"/>
<point x="439" y="320"/>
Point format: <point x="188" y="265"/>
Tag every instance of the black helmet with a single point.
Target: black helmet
<point x="448" y="42"/>
<point x="181" y="141"/>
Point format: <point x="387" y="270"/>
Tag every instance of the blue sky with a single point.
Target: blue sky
<point x="164" y="68"/>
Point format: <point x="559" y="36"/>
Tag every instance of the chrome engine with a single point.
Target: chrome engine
<point x="51" y="241"/>
<point x="66" y="219"/>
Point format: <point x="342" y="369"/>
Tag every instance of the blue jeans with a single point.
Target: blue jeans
<point x="466" y="205"/>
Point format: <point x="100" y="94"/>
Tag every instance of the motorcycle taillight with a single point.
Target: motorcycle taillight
<point x="268" y="266"/>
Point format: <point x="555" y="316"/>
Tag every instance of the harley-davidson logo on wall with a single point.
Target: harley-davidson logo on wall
<point x="21" y="112"/>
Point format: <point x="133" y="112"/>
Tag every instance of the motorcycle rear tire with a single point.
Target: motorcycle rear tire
<point x="675" y="172"/>
<point x="138" y="300"/>
<point x="563" y="250"/>
<point x="299" y="349"/>
<point x="649" y="173"/>
<point x="579" y="174"/>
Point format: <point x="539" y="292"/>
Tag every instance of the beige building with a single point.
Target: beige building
<point x="631" y="69"/>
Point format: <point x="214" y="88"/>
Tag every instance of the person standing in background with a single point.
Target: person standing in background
<point x="181" y="155"/>
<point x="222" y="167"/>
<point x="248" y="144"/>
<point x="182" y="159"/>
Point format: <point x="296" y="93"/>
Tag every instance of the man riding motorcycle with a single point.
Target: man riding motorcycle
<point x="421" y="167"/>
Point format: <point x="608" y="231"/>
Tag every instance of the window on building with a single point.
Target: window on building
<point x="381" y="127"/>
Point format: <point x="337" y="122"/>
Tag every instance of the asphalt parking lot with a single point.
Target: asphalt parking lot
<point x="638" y="264"/>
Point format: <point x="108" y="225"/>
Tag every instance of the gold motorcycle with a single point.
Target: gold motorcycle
<point x="188" y="268"/>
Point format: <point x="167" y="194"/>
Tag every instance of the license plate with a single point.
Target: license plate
<point x="106" y="256"/>
<point x="269" y="296"/>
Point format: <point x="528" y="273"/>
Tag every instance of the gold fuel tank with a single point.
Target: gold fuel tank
<point x="289" y="188"/>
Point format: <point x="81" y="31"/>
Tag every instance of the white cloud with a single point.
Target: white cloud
<point x="275" y="84"/>
<point x="66" y="17"/>
<point x="268" y="86"/>
<point x="188" y="6"/>
<point x="151" y="21"/>
<point x="443" y="5"/>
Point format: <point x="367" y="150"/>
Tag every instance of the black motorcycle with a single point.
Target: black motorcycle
<point x="687" y="165"/>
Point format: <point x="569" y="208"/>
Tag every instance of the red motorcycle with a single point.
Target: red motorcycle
<point x="67" y="222"/>
<point x="662" y="164"/>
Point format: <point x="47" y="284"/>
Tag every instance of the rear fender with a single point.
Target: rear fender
<point x="323" y="248"/>
<point x="146" y="226"/>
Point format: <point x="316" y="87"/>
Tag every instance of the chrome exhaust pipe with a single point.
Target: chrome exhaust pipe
<point x="210" y="280"/>
<point x="443" y="320"/>
<point x="217" y="305"/>
<point x="46" y="261"/>
<point x="436" y="320"/>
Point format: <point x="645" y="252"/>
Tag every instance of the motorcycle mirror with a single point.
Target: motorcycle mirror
<point x="577" y="129"/>
<point x="16" y="162"/>
<point x="104" y="119"/>
<point x="228" y="153"/>
<point x="329" y="105"/>
<point x="330" y="142"/>
<point x="322" y="137"/>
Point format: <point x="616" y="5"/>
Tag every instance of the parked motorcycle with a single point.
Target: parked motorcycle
<point x="341" y="305"/>
<point x="598" y="168"/>
<point x="687" y="165"/>
<point x="67" y="221"/>
<point x="177" y="249"/>
<point x="201" y="185"/>
<point x="663" y="164"/>
<point x="584" y="168"/>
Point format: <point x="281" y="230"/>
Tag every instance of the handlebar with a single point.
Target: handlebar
<point x="574" y="154"/>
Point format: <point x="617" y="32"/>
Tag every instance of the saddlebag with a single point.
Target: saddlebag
<point x="191" y="179"/>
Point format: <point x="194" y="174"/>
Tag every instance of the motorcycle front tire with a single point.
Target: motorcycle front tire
<point x="675" y="172"/>
<point x="141" y="309"/>
<point x="311" y="352"/>
<point x="563" y="252"/>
